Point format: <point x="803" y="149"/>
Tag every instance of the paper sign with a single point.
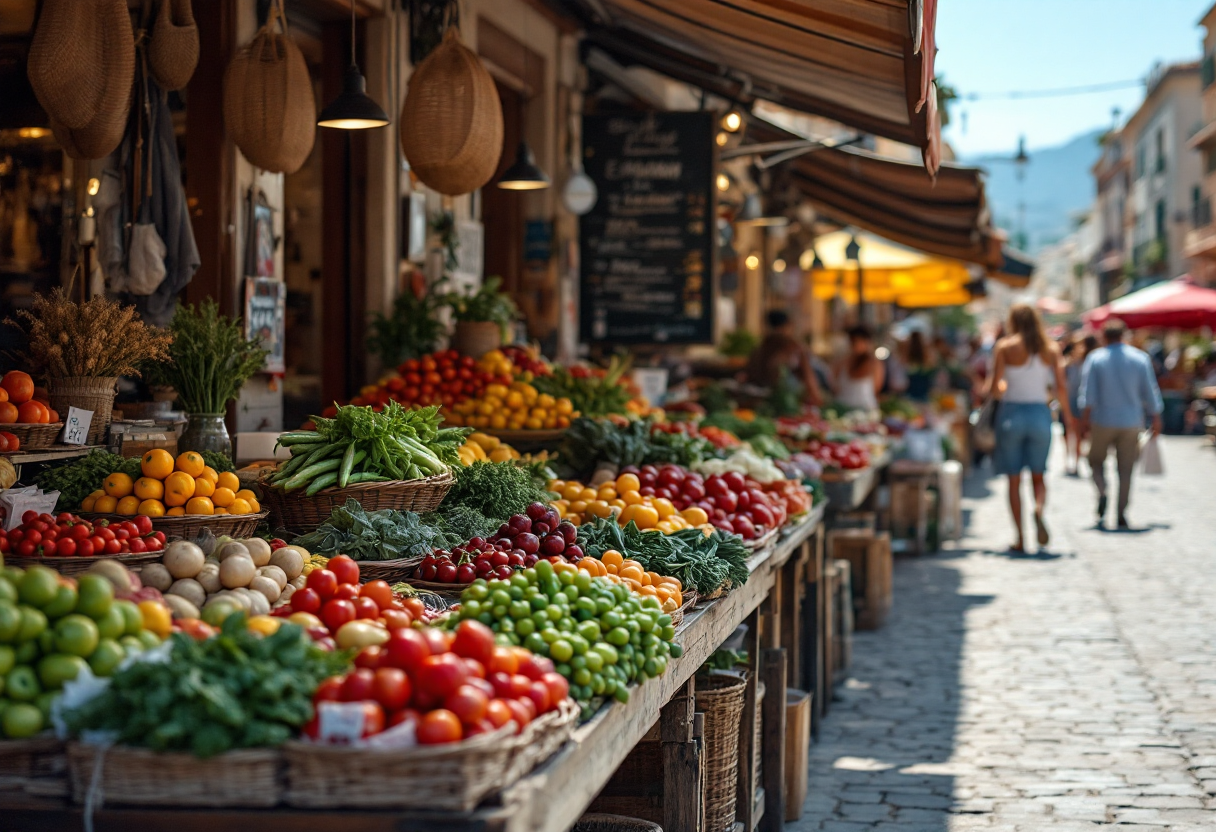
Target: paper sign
<point x="76" y="428"/>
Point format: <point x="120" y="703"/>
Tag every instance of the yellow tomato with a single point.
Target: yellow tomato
<point x="118" y="485"/>
<point x="534" y="424"/>
<point x="606" y="492"/>
<point x="228" y="480"/>
<point x="147" y="488"/>
<point x="156" y="617"/>
<point x="151" y="508"/>
<point x="572" y="490"/>
<point x="644" y="516"/>
<point x="222" y="497"/>
<point x="209" y="473"/>
<point x="515" y="400"/>
<point x="588" y="494"/>
<point x="632" y="497"/>
<point x="627" y="482"/>
<point x="695" y="515"/>
<point x="203" y="487"/>
<point x="239" y="506"/>
<point x="179" y="487"/>
<point x="664" y="507"/>
<point x="191" y="463"/>
<point x="578" y="507"/>
<point x="545" y="400"/>
<point x="264" y="625"/>
<point x="199" y="505"/>
<point x="498" y="421"/>
<point x="157" y="463"/>
<point x="128" y="505"/>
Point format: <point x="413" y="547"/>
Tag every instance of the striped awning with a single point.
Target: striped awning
<point x="865" y="63"/>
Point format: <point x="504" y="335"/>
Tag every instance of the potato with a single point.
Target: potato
<point x="290" y="559"/>
<point x="241" y="600"/>
<point x="180" y="607"/>
<point x="237" y="570"/>
<point x="285" y="596"/>
<point x="183" y="559"/>
<point x="298" y="582"/>
<point x="259" y="550"/>
<point x="189" y="589"/>
<point x="156" y="576"/>
<point x="234" y="547"/>
<point x="275" y="573"/>
<point x="115" y="573"/>
<point x="209" y="578"/>
<point x="267" y="587"/>
<point x="258" y="605"/>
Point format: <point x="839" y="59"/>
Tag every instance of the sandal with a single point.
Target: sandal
<point x="1044" y="535"/>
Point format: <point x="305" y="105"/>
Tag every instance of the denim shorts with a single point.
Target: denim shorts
<point x="1023" y="437"/>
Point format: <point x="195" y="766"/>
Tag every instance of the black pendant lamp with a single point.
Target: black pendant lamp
<point x="523" y="175"/>
<point x="353" y="109"/>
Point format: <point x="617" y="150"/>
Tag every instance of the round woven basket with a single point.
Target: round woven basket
<point x="34" y="437"/>
<point x="66" y="60"/>
<point x="97" y="138"/>
<point x="76" y="566"/>
<point x="92" y="394"/>
<point x="600" y="822"/>
<point x="173" y="48"/>
<point x="296" y="513"/>
<point x="393" y="571"/>
<point x="476" y="338"/>
<point x="190" y="526"/>
<point x="721" y="700"/>
<point x="269" y="107"/>
<point x="451" y="123"/>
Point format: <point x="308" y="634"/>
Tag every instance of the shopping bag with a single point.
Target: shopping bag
<point x="983" y="427"/>
<point x="1151" y="464"/>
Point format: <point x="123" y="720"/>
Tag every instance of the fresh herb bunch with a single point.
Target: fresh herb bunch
<point x="739" y="343"/>
<point x="703" y="562"/>
<point x="769" y="446"/>
<point x="742" y="428"/>
<point x="485" y="304"/>
<point x="460" y="524"/>
<point x="591" y="394"/>
<point x="377" y="535"/>
<point x="234" y="690"/>
<point x="79" y="478"/>
<point x="413" y="328"/>
<point x="679" y="447"/>
<point x="96" y="339"/>
<point x="590" y="441"/>
<point x="495" y="489"/>
<point x="210" y="358"/>
<point x="219" y="462"/>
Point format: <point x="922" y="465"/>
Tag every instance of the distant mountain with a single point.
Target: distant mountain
<point x="1057" y="184"/>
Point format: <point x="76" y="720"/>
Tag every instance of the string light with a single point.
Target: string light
<point x="94" y="186"/>
<point x="722" y="139"/>
<point x="732" y="121"/>
<point x="752" y="262"/>
<point x="723" y="182"/>
<point x="778" y="265"/>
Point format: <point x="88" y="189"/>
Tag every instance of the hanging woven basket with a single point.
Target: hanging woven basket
<point x="268" y="101"/>
<point x="104" y="131"/>
<point x="173" y="48"/>
<point x="451" y="124"/>
<point x="67" y="60"/>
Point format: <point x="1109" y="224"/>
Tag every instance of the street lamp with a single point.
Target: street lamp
<point x="852" y="253"/>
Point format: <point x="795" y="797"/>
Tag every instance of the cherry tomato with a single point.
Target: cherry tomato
<point x="521" y="713"/>
<point x="105" y="533"/>
<point x="358" y="685"/>
<point x="558" y="687"/>
<point x="136" y="544"/>
<point x="440" y="675"/>
<point x="391" y="688"/>
<point x="439" y="640"/>
<point x="329" y="690"/>
<point x="323" y="582"/>
<point x="66" y="547"/>
<point x="366" y="608"/>
<point x="152" y="544"/>
<point x="80" y="531"/>
<point x="346" y="592"/>
<point x="439" y="726"/>
<point x="99" y="543"/>
<point x="378" y="591"/>
<point x="143" y="525"/>
<point x="337" y="612"/>
<point x="113" y="546"/>
<point x="306" y="600"/>
<point x="498" y="713"/>
<point x="395" y="619"/>
<point x="370" y="657"/>
<point x="25" y="548"/>
<point x="469" y="703"/>
<point x="474" y="640"/>
<point x="122" y="534"/>
<point x="29" y="517"/>
<point x="344" y="568"/>
<point x="33" y="537"/>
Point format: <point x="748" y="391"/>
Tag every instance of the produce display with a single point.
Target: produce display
<point x="593" y="392"/>
<point x="18" y="405"/>
<point x="743" y="461"/>
<point x="496" y="490"/>
<point x="239" y="689"/>
<point x="440" y="686"/>
<point x="66" y="535"/>
<point x="519" y="543"/>
<point x="52" y="627"/>
<point x="848" y="456"/>
<point x="360" y="445"/>
<point x="651" y="506"/>
<point x="619" y="569"/>
<point x="168" y="487"/>
<point x="481" y="447"/>
<point x="599" y="635"/>
<point x="441" y="378"/>
<point x="589" y="442"/>
<point x="376" y="535"/>
<point x="517" y="406"/>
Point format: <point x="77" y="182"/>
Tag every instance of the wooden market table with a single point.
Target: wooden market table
<point x="782" y="605"/>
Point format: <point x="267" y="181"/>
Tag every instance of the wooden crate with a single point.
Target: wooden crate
<point x="909" y="512"/>
<point x="869" y="557"/>
<point x="797" y="750"/>
<point x="840" y="618"/>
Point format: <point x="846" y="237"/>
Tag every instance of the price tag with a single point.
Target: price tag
<point x="76" y="427"/>
<point x="340" y="722"/>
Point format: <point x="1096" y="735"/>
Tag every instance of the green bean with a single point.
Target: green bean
<point x="323" y="481"/>
<point x="312" y="471"/>
<point x="348" y="462"/>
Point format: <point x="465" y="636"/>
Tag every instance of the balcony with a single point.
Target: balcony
<point x="1200" y="240"/>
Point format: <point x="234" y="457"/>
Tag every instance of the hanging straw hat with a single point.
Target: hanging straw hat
<point x="173" y="49"/>
<point x="67" y="62"/>
<point x="101" y="134"/>
<point x="269" y="106"/>
<point x="451" y="124"/>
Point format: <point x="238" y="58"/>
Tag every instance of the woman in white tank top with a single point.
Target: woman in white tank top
<point x="860" y="377"/>
<point x="1027" y="372"/>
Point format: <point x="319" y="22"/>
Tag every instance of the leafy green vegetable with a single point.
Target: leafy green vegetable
<point x="460" y="524"/>
<point x="495" y="489"/>
<point x="210" y="358"/>
<point x="378" y="535"/>
<point x="701" y="562"/>
<point x="769" y="446"/>
<point x="234" y="690"/>
<point x="742" y="428"/>
<point x="591" y="395"/>
<point x="81" y="477"/>
<point x="217" y="461"/>
<point x="591" y="441"/>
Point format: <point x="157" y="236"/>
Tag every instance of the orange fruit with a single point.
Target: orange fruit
<point x="87" y="503"/>
<point x="203" y="487"/>
<point x="18" y="385"/>
<point x="52" y="415"/>
<point x="249" y="497"/>
<point x="221" y="511"/>
<point x="239" y="506"/>
<point x="128" y="505"/>
<point x="147" y="488"/>
<point x="3" y="395"/>
<point x="191" y="463"/>
<point x="664" y="507"/>
<point x="151" y="508"/>
<point x="199" y="505"/>
<point x="105" y="505"/>
<point x="8" y="413"/>
<point x="228" y="480"/>
<point x="31" y="413"/>
<point x="631" y="498"/>
<point x="157" y="463"/>
<point x="644" y="516"/>
<point x="223" y="497"/>
<point x="179" y="487"/>
<point x="118" y="485"/>
<point x="627" y="482"/>
<point x="176" y="511"/>
<point x="209" y="474"/>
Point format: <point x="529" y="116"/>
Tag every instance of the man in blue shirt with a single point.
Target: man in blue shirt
<point x="1118" y="397"/>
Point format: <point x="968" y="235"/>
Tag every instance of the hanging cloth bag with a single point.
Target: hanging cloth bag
<point x="173" y="48"/>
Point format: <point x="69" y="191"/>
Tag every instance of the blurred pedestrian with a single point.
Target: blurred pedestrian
<point x="1118" y="397"/>
<point x="921" y="367"/>
<point x="1026" y="369"/>
<point x="780" y="353"/>
<point x="1075" y="353"/>
<point x="861" y="375"/>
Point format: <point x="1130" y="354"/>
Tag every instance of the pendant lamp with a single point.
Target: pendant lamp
<point x="523" y="175"/>
<point x="353" y="109"/>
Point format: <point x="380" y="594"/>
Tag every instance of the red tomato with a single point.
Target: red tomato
<point x="306" y="600"/>
<point x="468" y="703"/>
<point x="84" y="548"/>
<point x="323" y="582"/>
<point x="366" y="608"/>
<point x="391" y="688"/>
<point x="538" y="692"/>
<point x="474" y="640"/>
<point x="378" y="591"/>
<point x="80" y="531"/>
<point x="482" y="685"/>
<point x="33" y="536"/>
<point x="370" y="657"/>
<point x="440" y="675"/>
<point x="113" y="546"/>
<point x="498" y="713"/>
<point x="136" y="544"/>
<point x="358" y="685"/>
<point x="439" y="640"/>
<point x="558" y="687"/>
<point x="143" y="524"/>
<point x="501" y="682"/>
<point x="122" y="534"/>
<point x="99" y="544"/>
<point x="743" y="499"/>
<point x="476" y="669"/>
<point x="520" y="685"/>
<point x="535" y="667"/>
<point x="329" y="690"/>
<point x="373" y="718"/>
<point x="346" y="592"/>
<point x="344" y="568"/>
<point x="406" y="648"/>
<point x="761" y="515"/>
<point x="395" y="619"/>
<point x="727" y="501"/>
<point x="522" y="714"/>
<point x="337" y="612"/>
<point x="404" y="715"/>
<point x="503" y="660"/>
<point x="439" y="726"/>
<point x="65" y="548"/>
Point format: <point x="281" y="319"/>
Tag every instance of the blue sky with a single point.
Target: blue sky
<point x="988" y="46"/>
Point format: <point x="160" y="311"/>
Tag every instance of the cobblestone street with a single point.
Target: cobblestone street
<point x="1062" y="691"/>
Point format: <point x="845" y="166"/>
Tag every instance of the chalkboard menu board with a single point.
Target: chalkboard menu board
<point x="647" y="246"/>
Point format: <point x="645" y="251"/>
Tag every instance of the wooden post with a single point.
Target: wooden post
<point x="745" y="788"/>
<point x="792" y="589"/>
<point x="772" y="748"/>
<point x="813" y="630"/>
<point x="682" y="781"/>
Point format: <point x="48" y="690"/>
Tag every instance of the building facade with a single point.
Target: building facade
<point x="1200" y="243"/>
<point x="1108" y="216"/>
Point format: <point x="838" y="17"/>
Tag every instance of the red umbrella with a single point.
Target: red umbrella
<point x="1177" y="303"/>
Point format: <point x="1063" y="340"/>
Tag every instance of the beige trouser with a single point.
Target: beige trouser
<point x="1127" y="450"/>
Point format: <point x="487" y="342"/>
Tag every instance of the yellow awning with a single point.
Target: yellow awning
<point x="890" y="273"/>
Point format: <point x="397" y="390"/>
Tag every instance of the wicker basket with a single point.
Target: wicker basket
<point x="191" y="526"/>
<point x="758" y="736"/>
<point x="300" y="514"/>
<point x="139" y="777"/>
<point x="75" y="566"/>
<point x="600" y="822"/>
<point x="173" y="49"/>
<point x="455" y="777"/>
<point x="39" y="757"/>
<point x="528" y="437"/>
<point x="93" y="394"/>
<point x="540" y="740"/>
<point x="65" y="62"/>
<point x="451" y="124"/>
<point x="269" y="108"/>
<point x="450" y="592"/>
<point x="721" y="700"/>
<point x="393" y="571"/>
<point x="476" y="338"/>
<point x="689" y="597"/>
<point x="34" y="437"/>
